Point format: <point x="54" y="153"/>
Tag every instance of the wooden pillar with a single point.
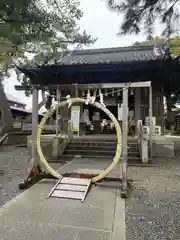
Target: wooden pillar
<point x="158" y="107"/>
<point x="58" y="96"/>
<point x="124" y="141"/>
<point x="150" y="119"/>
<point x="34" y="123"/>
<point x="137" y="106"/>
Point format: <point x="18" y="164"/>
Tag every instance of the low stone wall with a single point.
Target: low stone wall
<point x="163" y="148"/>
<point x="46" y="143"/>
<point x="17" y="138"/>
<point x="176" y="140"/>
<point x="49" y="145"/>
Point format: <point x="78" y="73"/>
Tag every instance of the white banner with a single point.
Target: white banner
<point x="75" y="117"/>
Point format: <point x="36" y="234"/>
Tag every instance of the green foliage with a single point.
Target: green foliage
<point x="173" y="43"/>
<point x="43" y="28"/>
<point x="142" y="15"/>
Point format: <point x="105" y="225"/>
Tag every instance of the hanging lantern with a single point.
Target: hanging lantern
<point x="106" y="93"/>
<point x="118" y="93"/>
<point x="113" y="92"/>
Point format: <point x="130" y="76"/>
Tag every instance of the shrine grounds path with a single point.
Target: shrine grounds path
<point x="151" y="212"/>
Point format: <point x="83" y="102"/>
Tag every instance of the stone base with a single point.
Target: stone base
<point x="46" y="144"/>
<point x="163" y="148"/>
<point x="55" y="146"/>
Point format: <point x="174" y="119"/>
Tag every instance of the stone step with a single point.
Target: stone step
<point x="100" y="141"/>
<point x="94" y="147"/>
<point x="99" y="145"/>
<point x="104" y="150"/>
<point x="95" y="152"/>
<point x="78" y="146"/>
<point x="71" y="156"/>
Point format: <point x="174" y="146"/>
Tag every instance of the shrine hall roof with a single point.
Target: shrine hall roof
<point x="101" y="65"/>
<point x="113" y="55"/>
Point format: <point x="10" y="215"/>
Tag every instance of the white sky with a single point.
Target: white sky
<point x="100" y="22"/>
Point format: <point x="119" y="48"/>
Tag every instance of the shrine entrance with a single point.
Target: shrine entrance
<point x="96" y="121"/>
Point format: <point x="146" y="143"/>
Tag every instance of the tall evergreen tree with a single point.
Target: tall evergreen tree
<point x="43" y="28"/>
<point x="142" y="15"/>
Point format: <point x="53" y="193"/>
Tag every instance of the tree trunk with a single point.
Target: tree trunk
<point x="6" y="121"/>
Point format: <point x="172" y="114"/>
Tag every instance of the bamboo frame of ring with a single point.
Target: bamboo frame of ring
<point x="117" y="156"/>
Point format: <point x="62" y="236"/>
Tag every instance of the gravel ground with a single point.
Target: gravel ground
<point x="152" y="211"/>
<point x="13" y="164"/>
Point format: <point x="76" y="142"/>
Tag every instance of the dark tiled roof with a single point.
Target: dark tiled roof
<point x="113" y="55"/>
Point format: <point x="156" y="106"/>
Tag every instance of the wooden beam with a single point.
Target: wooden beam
<point x="88" y="86"/>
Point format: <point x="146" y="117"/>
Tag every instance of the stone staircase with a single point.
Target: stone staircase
<point x="100" y="149"/>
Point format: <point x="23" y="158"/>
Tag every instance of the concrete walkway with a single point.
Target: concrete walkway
<point x="31" y="216"/>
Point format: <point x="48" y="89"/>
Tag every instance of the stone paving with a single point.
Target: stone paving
<point x="31" y="216"/>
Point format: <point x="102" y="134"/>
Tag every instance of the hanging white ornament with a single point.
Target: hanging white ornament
<point x="83" y="93"/>
<point x="88" y="97"/>
<point x="93" y="98"/>
<point x="101" y="98"/>
<point x="68" y="97"/>
<point x="118" y="93"/>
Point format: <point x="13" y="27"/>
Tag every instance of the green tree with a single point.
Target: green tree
<point x="173" y="43"/>
<point x="40" y="28"/>
<point x="142" y="15"/>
